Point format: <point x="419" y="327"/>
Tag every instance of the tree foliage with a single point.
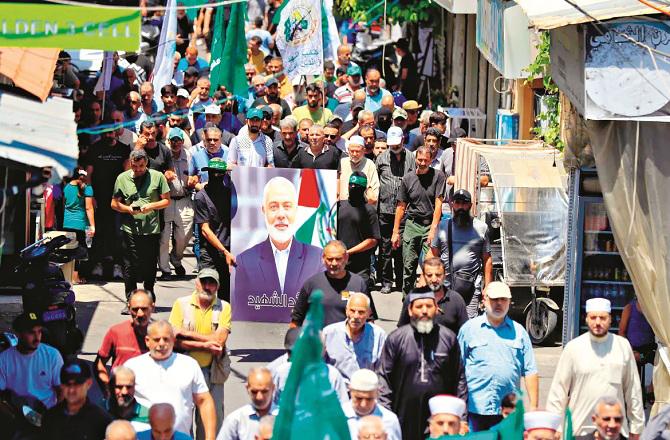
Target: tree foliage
<point x="402" y="11"/>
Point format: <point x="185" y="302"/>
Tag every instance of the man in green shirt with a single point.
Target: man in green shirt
<point x="139" y="194"/>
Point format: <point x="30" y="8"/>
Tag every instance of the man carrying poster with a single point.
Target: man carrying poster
<point x="264" y="268"/>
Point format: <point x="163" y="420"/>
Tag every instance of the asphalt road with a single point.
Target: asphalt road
<point x="251" y="344"/>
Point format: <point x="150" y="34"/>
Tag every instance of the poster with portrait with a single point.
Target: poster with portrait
<point x="284" y="219"/>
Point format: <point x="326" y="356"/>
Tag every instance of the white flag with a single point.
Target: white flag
<point x="330" y="52"/>
<point x="105" y="78"/>
<point x="299" y="38"/>
<point x="167" y="45"/>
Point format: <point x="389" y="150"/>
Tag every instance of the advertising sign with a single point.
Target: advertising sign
<point x="65" y="26"/>
<point x="284" y="219"/>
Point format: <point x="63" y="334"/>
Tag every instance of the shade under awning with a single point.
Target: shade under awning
<point x="39" y="134"/>
<point x="550" y="14"/>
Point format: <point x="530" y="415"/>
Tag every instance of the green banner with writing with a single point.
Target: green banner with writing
<point x="74" y="27"/>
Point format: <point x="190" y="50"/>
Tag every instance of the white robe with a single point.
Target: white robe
<point x="590" y="368"/>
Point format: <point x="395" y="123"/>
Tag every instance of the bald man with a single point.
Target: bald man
<point x="264" y="268"/>
<point x="371" y="427"/>
<point x="162" y="420"/>
<point x="120" y="430"/>
<point x="244" y="423"/>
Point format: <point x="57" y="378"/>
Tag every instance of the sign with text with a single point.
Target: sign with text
<point x="284" y="219"/>
<point x="300" y="38"/>
<point x="59" y="26"/>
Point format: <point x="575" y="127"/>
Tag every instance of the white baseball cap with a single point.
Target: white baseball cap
<point x="394" y="136"/>
<point x="497" y="289"/>
<point x="183" y="93"/>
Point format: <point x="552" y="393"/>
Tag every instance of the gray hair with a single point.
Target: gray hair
<point x="423" y="149"/>
<point x="337" y="243"/>
<point x="281" y="182"/>
<point x="288" y="122"/>
<point x="364" y="114"/>
<point x="425" y="116"/>
<point x="137" y="155"/>
<point x="120" y="429"/>
<point x="140" y="291"/>
<point x="607" y="401"/>
<point x="214" y="129"/>
<point x="360" y="295"/>
<point x="120" y="370"/>
<point x="161" y="323"/>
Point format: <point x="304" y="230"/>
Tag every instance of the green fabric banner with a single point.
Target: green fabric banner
<point x="229" y="52"/>
<point x="70" y="27"/>
<point x="308" y="407"/>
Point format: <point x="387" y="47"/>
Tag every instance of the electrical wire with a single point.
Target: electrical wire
<point x="146" y="8"/>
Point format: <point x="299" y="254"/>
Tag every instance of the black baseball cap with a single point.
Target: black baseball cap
<point x="192" y="71"/>
<point x="75" y="370"/>
<point x="462" y="195"/>
<point x="26" y="321"/>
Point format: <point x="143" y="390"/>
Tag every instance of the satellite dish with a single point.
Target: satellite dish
<point x="621" y="77"/>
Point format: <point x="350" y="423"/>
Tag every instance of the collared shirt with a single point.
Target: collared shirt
<point x="367" y="167"/>
<point x="242" y="424"/>
<point x="200" y="158"/>
<point x="389" y="420"/>
<point x="390" y="170"/>
<point x="281" y="155"/>
<point x="344" y="94"/>
<point x="138" y="417"/>
<point x="250" y="153"/>
<point x="495" y="358"/>
<point x="281" y="261"/>
<point x="374" y="102"/>
<point x="179" y="186"/>
<point x="348" y="355"/>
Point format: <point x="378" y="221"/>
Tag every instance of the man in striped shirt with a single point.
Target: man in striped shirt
<point x="392" y="164"/>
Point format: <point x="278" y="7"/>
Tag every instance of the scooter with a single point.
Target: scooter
<point x="47" y="293"/>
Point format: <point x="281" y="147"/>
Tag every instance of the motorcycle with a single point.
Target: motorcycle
<point x="47" y="293"/>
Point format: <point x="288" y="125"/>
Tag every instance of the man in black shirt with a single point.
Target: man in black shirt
<point x="420" y="197"/>
<point x="357" y="226"/>
<point x="438" y="120"/>
<point x="160" y="156"/>
<point x="318" y="155"/>
<point x="336" y="283"/>
<point x="408" y="74"/>
<point x="107" y="159"/>
<point x="451" y="311"/>
<point x="212" y="214"/>
<point x="75" y="418"/>
<point x="272" y="97"/>
<point x="287" y="148"/>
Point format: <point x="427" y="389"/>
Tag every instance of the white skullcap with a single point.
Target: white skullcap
<point x="212" y="109"/>
<point x="364" y="380"/>
<point x="444" y="404"/>
<point x="356" y="140"/>
<point x="598" y="305"/>
<point x="541" y="420"/>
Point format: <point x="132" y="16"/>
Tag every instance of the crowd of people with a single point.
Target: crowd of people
<point x="150" y="182"/>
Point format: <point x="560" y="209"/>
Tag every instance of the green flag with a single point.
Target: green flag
<point x="308" y="407"/>
<point x="229" y="52"/>
<point x="567" y="425"/>
<point x="511" y="428"/>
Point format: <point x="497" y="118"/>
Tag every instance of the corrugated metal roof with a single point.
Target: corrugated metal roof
<point x="38" y="134"/>
<point x="550" y="14"/>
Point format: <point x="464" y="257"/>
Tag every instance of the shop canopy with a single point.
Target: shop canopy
<point x="550" y="14"/>
<point x="38" y="134"/>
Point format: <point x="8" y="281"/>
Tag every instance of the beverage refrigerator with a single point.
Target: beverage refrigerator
<point x="594" y="268"/>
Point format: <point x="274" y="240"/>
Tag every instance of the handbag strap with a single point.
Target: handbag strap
<point x="451" y="254"/>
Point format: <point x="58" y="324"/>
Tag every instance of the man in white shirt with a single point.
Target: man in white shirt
<point x="250" y="147"/>
<point x="162" y="376"/>
<point x="31" y="368"/>
<point x="243" y="423"/>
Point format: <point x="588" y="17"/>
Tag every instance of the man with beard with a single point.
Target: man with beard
<point x="243" y="423"/>
<point x="364" y="391"/>
<point x="202" y="324"/>
<point x="420" y="360"/>
<point x="358" y="226"/>
<point x="251" y="148"/>
<point x="159" y="155"/>
<point x="336" y="283"/>
<point x="420" y="198"/>
<point x="356" y="161"/>
<point x="462" y="243"/>
<point x="412" y="108"/>
<point x="375" y="93"/>
<point x="451" y="311"/>
<point x="608" y="418"/>
<point x="212" y="207"/>
<point x="287" y="148"/>
<point x="354" y="343"/>
<point x="163" y="376"/>
<point x="392" y="165"/>
<point x="346" y="92"/>
<point x="276" y="67"/>
<point x="593" y="365"/>
<point x="369" y="138"/>
<point x="496" y="352"/>
<point x="317" y="154"/>
<point x="314" y="109"/>
<point x="267" y="127"/>
<point x="445" y="416"/>
<point x="438" y="120"/>
<point x="125" y="340"/>
<point x="212" y="115"/>
<point x="331" y="134"/>
<point x="121" y="403"/>
<point x="272" y="97"/>
<point x="107" y="159"/>
<point x="139" y="194"/>
<point x="280" y="263"/>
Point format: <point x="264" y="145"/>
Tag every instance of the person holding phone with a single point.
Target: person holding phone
<point x="139" y="194"/>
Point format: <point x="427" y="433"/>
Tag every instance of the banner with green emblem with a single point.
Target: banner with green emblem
<point x="65" y="26"/>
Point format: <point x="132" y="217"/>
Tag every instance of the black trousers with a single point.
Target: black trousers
<point x="389" y="261"/>
<point x="140" y="257"/>
<point x="210" y="257"/>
